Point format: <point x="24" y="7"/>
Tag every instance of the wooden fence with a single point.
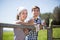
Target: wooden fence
<point x="6" y="25"/>
<point x="49" y="30"/>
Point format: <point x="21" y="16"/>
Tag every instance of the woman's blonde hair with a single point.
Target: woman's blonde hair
<point x="17" y="17"/>
<point x="19" y="9"/>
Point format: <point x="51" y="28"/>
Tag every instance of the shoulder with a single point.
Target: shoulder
<point x="17" y="22"/>
<point x="39" y="18"/>
<point x="30" y="20"/>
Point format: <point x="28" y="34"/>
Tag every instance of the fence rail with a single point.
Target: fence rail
<point x="6" y="25"/>
<point x="16" y="25"/>
<point x="55" y="26"/>
<point x="49" y="30"/>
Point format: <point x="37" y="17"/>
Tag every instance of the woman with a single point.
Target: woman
<point x="18" y="32"/>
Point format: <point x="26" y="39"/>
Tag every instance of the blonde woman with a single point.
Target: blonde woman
<point x="21" y="16"/>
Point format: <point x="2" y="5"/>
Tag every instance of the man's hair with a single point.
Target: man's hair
<point x="35" y="7"/>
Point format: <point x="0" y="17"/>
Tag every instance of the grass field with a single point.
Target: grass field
<point x="8" y="35"/>
<point x="42" y="35"/>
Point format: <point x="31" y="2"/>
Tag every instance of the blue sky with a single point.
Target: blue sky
<point x="8" y="8"/>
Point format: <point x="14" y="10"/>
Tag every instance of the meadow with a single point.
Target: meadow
<point x="42" y="35"/>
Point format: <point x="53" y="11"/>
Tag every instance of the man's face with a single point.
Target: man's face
<point x="36" y="12"/>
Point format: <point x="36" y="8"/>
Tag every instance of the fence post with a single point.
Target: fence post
<point x="1" y="33"/>
<point x="49" y="33"/>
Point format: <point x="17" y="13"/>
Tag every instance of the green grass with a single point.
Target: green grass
<point x="8" y="35"/>
<point x="56" y="32"/>
<point x="42" y="35"/>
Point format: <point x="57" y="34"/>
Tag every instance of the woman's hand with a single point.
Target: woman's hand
<point x="26" y="31"/>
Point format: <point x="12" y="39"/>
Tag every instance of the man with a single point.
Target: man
<point x="36" y="20"/>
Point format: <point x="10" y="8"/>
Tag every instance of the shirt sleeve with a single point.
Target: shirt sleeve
<point x="40" y="21"/>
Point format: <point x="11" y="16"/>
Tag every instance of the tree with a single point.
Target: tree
<point x="45" y="15"/>
<point x="56" y="14"/>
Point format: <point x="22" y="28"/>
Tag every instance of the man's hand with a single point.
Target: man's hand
<point x="41" y="27"/>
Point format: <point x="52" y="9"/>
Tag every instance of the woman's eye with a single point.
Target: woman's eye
<point x="22" y="12"/>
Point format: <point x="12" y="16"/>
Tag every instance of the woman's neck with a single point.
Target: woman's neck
<point x="21" y="20"/>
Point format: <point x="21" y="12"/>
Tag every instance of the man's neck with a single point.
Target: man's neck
<point x="35" y="17"/>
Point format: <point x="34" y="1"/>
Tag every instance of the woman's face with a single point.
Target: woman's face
<point x="23" y="14"/>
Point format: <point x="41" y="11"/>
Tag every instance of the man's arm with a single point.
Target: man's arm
<point x="41" y="26"/>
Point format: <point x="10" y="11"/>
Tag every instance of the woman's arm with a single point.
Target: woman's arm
<point x="25" y="23"/>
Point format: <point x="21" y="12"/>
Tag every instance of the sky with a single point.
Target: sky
<point x="8" y="8"/>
